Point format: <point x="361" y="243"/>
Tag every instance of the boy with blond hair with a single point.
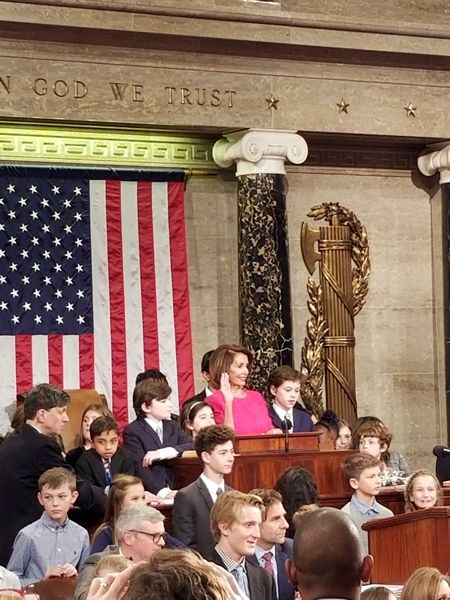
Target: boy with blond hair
<point x="52" y="546"/>
<point x="362" y="471"/>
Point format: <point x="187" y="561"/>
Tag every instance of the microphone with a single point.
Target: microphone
<point x="441" y="451"/>
<point x="286" y="425"/>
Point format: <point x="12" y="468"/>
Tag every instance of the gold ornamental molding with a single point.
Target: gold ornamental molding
<point x="64" y="145"/>
<point x="342" y="250"/>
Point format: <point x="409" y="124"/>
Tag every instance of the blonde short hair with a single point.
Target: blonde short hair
<point x="228" y="506"/>
<point x="423" y="584"/>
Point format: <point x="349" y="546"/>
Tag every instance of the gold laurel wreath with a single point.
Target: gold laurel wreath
<point x="312" y="352"/>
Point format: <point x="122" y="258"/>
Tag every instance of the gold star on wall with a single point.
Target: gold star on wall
<point x="272" y="102"/>
<point x="410" y="110"/>
<point x="343" y="106"/>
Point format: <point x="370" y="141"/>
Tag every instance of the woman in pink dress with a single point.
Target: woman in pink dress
<point x="232" y="403"/>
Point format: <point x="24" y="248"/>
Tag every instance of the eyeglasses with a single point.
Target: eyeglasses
<point x="156" y="537"/>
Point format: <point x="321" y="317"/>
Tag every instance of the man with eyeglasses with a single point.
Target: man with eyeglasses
<point x="139" y="533"/>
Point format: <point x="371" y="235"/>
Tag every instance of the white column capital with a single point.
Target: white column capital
<point x="260" y="150"/>
<point x="437" y="160"/>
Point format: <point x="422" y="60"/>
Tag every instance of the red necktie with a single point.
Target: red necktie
<point x="267" y="559"/>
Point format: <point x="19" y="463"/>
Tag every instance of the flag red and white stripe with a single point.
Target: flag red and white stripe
<point x="140" y="298"/>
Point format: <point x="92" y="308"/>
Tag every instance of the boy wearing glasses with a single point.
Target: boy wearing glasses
<point x="53" y="546"/>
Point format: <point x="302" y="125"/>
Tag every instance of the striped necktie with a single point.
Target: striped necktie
<point x="107" y="467"/>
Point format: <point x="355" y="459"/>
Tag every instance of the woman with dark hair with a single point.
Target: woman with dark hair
<point x="233" y="404"/>
<point x="195" y="415"/>
<point x="298" y="489"/>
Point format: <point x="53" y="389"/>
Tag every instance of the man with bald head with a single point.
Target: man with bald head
<point x="328" y="559"/>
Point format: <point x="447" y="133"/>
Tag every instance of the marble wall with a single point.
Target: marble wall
<point x="396" y="332"/>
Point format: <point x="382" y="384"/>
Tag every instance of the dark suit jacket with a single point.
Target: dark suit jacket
<point x="282" y="553"/>
<point x="190" y="517"/>
<point x="260" y="583"/>
<point x="197" y="398"/>
<point x="139" y="438"/>
<point x="302" y="420"/>
<point x="90" y="466"/>
<point x="24" y="456"/>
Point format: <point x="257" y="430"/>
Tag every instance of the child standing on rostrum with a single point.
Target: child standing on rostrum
<point x="284" y="387"/>
<point x="362" y="471"/>
<point x="105" y="459"/>
<point x="52" y="546"/>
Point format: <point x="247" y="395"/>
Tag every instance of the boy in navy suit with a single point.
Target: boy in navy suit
<point x="284" y="386"/>
<point x="153" y="438"/>
<point x="105" y="459"/>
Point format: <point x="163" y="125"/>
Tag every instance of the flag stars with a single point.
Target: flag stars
<point x="79" y="268"/>
<point x="67" y="203"/>
<point x="13" y="266"/>
<point x="55" y="189"/>
<point x="78" y="216"/>
<point x="57" y="216"/>
<point x="35" y="241"/>
<point x="45" y="228"/>
<point x="78" y="243"/>
<point x="68" y="255"/>
<point x="2" y="227"/>
<point x="26" y="306"/>
<point x="34" y="215"/>
<point x="58" y="293"/>
<point x="3" y="305"/>
<point x="23" y="202"/>
<point x="25" y="280"/>
<point x="46" y="254"/>
<point x="35" y="266"/>
<point x="59" y="320"/>
<point x="2" y="279"/>
<point x="13" y="241"/>
<point x="80" y="320"/>
<point x="37" y="293"/>
<point x="48" y="306"/>
<point x="80" y="294"/>
<point x="33" y="189"/>
<point x="69" y="306"/>
<point x="58" y="268"/>
<point x="68" y="229"/>
<point x="69" y="280"/>
<point x="45" y="203"/>
<point x="57" y="241"/>
<point x="23" y="228"/>
<point x="77" y="191"/>
<point x="38" y="319"/>
<point x="47" y="280"/>
<point x="14" y="293"/>
<point x="12" y="214"/>
<point x="24" y="254"/>
<point x="2" y="253"/>
<point x="11" y="188"/>
<point x="15" y="319"/>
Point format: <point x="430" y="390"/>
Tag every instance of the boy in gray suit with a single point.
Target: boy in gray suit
<point x="192" y="504"/>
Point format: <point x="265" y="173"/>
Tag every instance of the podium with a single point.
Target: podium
<point x="262" y="459"/>
<point x="403" y="543"/>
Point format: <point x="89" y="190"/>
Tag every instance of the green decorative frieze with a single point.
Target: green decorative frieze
<point x="105" y="147"/>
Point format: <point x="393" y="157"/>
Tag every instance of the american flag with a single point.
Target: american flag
<point x="93" y="282"/>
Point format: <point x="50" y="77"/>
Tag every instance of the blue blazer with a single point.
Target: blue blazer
<point x="282" y="552"/>
<point x="139" y="438"/>
<point x="302" y="420"/>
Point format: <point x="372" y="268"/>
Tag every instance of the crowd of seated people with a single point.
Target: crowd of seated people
<point x="244" y="539"/>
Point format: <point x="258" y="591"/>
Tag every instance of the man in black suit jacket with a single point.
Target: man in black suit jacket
<point x="153" y="438"/>
<point x="205" y="374"/>
<point x="235" y="522"/>
<point x="192" y="504"/>
<point x="273" y="549"/>
<point x="25" y="455"/>
<point x="105" y="459"/>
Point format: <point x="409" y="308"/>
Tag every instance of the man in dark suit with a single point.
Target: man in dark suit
<point x="235" y="523"/>
<point x="273" y="548"/>
<point x="207" y="391"/>
<point x="192" y="504"/>
<point x="328" y="557"/>
<point x="25" y="455"/>
<point x="105" y="459"/>
<point x="153" y="438"/>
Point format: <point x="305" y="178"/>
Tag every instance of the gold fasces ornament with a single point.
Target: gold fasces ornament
<point x="328" y="352"/>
